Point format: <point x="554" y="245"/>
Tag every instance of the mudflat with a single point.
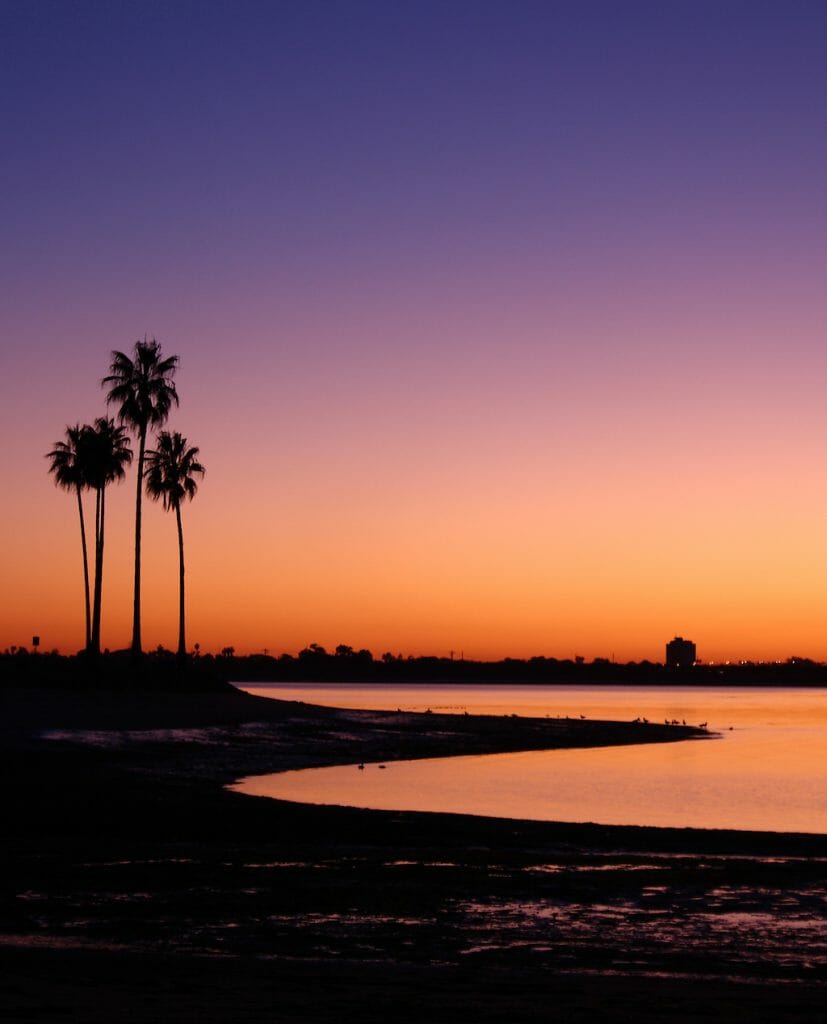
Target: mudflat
<point x="135" y="885"/>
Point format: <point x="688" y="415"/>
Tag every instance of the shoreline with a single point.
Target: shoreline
<point x="184" y="740"/>
<point x="134" y="848"/>
<point x="289" y="734"/>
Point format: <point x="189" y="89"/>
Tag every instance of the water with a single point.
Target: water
<point x="765" y="769"/>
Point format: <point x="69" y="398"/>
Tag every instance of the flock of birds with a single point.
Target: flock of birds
<point x="667" y="721"/>
<point x="641" y="720"/>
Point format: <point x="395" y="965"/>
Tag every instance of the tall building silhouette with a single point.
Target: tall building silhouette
<point x="680" y="653"/>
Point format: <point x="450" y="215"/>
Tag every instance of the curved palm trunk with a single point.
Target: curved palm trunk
<point x="182" y="647"/>
<point x="96" y="607"/>
<point x="136" y="601"/>
<point x="85" y="571"/>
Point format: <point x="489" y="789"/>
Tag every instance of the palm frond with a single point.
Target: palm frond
<point x="142" y="387"/>
<point x="66" y="459"/>
<point x="171" y="470"/>
<point x="108" y="452"/>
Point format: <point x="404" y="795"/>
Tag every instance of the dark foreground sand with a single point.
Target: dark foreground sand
<point x="135" y="887"/>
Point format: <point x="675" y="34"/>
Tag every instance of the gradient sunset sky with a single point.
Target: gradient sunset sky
<point x="501" y="324"/>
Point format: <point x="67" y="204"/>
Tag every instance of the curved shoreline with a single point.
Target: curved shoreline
<point x="177" y="743"/>
<point x="241" y="730"/>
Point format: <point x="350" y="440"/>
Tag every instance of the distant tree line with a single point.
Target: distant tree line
<point x="159" y="669"/>
<point x="346" y="664"/>
<point x="90" y="457"/>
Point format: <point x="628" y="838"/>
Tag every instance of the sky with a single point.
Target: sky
<point x="501" y="325"/>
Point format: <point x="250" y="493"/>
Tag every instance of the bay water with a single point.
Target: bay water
<point x="762" y="765"/>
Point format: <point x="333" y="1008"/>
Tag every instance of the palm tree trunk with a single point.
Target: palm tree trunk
<point x="182" y="647"/>
<point x="96" y="608"/>
<point x="136" y="601"/>
<point x="85" y="571"/>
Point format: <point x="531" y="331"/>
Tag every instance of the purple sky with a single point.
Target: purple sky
<point x="452" y="271"/>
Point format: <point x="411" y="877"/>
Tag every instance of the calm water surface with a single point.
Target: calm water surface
<point x="766" y="769"/>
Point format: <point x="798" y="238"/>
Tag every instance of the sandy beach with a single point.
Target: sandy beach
<point x="134" y="884"/>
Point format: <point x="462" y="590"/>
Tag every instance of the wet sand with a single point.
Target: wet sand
<point x="133" y="884"/>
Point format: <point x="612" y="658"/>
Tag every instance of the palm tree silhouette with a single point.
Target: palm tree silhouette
<point x="106" y="452"/>
<point x="170" y="478"/>
<point x="144" y="391"/>
<point x="66" y="462"/>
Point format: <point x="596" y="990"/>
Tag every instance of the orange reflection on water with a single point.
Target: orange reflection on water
<point x="768" y="772"/>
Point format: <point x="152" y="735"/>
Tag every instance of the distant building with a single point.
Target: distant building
<point x="680" y="653"/>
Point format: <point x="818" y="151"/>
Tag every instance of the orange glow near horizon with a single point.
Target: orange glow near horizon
<point x="535" y="534"/>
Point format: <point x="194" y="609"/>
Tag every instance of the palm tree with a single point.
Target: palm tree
<point x="106" y="454"/>
<point x="143" y="389"/>
<point x="170" y="478"/>
<point x="66" y="462"/>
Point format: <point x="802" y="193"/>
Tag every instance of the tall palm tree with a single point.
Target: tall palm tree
<point x="142" y="387"/>
<point x="66" y="462"/>
<point x="106" y="454"/>
<point x="170" y="478"/>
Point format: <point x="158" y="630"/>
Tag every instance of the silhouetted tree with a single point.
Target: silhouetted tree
<point x="313" y="651"/>
<point x="142" y="387"/>
<point x="170" y="478"/>
<point x="106" y="452"/>
<point x="66" y="463"/>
